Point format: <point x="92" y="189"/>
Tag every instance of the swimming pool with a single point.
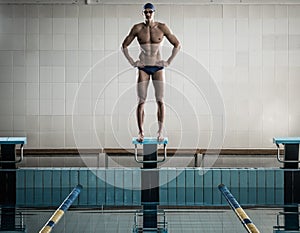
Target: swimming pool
<point x="110" y="198"/>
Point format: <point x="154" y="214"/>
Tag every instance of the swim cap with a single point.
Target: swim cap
<point x="149" y="6"/>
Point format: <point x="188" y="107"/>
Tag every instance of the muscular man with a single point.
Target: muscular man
<point x="150" y="64"/>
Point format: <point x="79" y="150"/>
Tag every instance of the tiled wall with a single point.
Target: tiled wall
<point x="65" y="83"/>
<point x="178" y="187"/>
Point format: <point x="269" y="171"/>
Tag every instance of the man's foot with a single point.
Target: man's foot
<point x="140" y="137"/>
<point x="160" y="137"/>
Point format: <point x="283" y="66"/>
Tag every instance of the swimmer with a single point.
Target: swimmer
<point x="149" y="35"/>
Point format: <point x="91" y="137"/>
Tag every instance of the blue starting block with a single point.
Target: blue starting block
<point x="150" y="147"/>
<point x="8" y="149"/>
<point x="291" y="149"/>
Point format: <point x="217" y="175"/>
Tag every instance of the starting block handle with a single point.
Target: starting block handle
<point x="150" y="161"/>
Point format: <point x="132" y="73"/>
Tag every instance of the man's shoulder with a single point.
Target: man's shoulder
<point x="163" y="27"/>
<point x="138" y="25"/>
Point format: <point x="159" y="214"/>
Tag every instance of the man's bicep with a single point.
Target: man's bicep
<point x="171" y="37"/>
<point x="173" y="40"/>
<point x="129" y="38"/>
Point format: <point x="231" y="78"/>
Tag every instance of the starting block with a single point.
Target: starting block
<point x="291" y="149"/>
<point x="150" y="147"/>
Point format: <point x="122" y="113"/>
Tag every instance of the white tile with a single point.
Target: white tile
<point x="45" y="11"/>
<point x="242" y="11"/>
<point x="32" y="123"/>
<point x="45" y="26"/>
<point x="58" y="58"/>
<point x="58" y="26"/>
<point x="46" y="123"/>
<point x="294" y="57"/>
<point x="281" y="11"/>
<point x="84" y="26"/>
<point x="268" y="26"/>
<point x="19" y="42"/>
<point x="71" y="25"/>
<point x="58" y="107"/>
<point x="45" y="74"/>
<point x="6" y="41"/>
<point x="18" y="58"/>
<point x="18" y="26"/>
<point x="33" y="42"/>
<point x="45" y="91"/>
<point x="19" y="90"/>
<point x="255" y="11"/>
<point x="32" y="91"/>
<point x="98" y="42"/>
<point x="84" y="75"/>
<point x="215" y="11"/>
<point x="6" y="25"/>
<point x="242" y="27"/>
<point x="45" y="58"/>
<point x="58" y="42"/>
<point x="32" y="107"/>
<point x="32" y="58"/>
<point x="229" y="58"/>
<point x="281" y="26"/>
<point x="6" y="107"/>
<point x="32" y="74"/>
<point x="19" y="123"/>
<point x="85" y="11"/>
<point x="84" y="42"/>
<point x="281" y="59"/>
<point x="6" y="58"/>
<point x="72" y="42"/>
<point x="111" y="25"/>
<point x="6" y="74"/>
<point x="84" y="58"/>
<point x="229" y="11"/>
<point x="71" y="58"/>
<point x="72" y="74"/>
<point x="98" y="10"/>
<point x="242" y="43"/>
<point x="268" y="42"/>
<point x="268" y="11"/>
<point x="6" y="122"/>
<point x="19" y="11"/>
<point x="45" y="107"/>
<point x="98" y="26"/>
<point x="111" y="42"/>
<point x="71" y="91"/>
<point x="58" y="91"/>
<point x="71" y="11"/>
<point x="32" y="11"/>
<point x="293" y="11"/>
<point x="58" y="11"/>
<point x="58" y="74"/>
<point x="294" y="26"/>
<point x="255" y="58"/>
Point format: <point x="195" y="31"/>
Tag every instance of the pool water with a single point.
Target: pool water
<point x="122" y="221"/>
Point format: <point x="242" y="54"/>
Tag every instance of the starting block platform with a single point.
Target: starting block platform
<point x="150" y="141"/>
<point x="287" y="140"/>
<point x="13" y="140"/>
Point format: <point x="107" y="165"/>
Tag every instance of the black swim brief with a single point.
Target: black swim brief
<point x="151" y="69"/>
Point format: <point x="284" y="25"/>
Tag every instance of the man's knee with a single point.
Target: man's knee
<point x="141" y="101"/>
<point x="159" y="101"/>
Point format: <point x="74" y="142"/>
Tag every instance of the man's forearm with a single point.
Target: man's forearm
<point x="175" y="50"/>
<point x="128" y="57"/>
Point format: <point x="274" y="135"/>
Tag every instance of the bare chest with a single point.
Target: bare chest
<point x="148" y="35"/>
